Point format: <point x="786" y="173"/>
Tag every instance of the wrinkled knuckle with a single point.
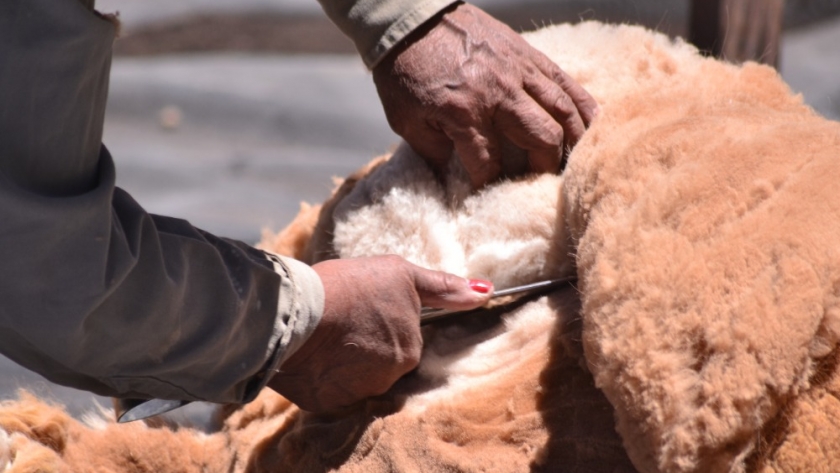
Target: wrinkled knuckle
<point x="480" y="141"/>
<point x="559" y="76"/>
<point x="564" y="105"/>
<point x="530" y="70"/>
<point x="547" y="134"/>
<point x="449" y="283"/>
<point x="529" y="74"/>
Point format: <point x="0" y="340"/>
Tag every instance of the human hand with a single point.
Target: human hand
<point x="465" y="81"/>
<point x="369" y="335"/>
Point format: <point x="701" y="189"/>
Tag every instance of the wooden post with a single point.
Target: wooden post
<point x="738" y="30"/>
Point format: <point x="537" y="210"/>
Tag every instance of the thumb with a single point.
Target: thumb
<point x="447" y="291"/>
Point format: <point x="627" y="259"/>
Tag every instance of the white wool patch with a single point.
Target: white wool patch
<point x="525" y="331"/>
<point x="98" y="418"/>
<point x="407" y="217"/>
<point x="607" y="60"/>
<point x="507" y="233"/>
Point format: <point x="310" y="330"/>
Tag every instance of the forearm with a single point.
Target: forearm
<point x="101" y="296"/>
<point x="98" y="294"/>
<point x="376" y="26"/>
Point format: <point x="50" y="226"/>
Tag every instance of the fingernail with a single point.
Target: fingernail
<point x="481" y="286"/>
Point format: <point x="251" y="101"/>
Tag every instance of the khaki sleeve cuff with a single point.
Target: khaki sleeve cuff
<point x="404" y="25"/>
<point x="376" y="26"/>
<point x="300" y="306"/>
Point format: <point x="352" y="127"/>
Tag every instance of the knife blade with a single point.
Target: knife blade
<point x="430" y="315"/>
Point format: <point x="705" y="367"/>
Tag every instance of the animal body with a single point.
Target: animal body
<point x="699" y="214"/>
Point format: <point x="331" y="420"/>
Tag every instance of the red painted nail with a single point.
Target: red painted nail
<point x="481" y="286"/>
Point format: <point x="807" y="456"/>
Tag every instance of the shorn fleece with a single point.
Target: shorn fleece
<point x="699" y="213"/>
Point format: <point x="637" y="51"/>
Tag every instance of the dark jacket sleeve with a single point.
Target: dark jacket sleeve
<point x="94" y="292"/>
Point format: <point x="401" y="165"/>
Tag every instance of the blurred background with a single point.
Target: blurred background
<point x="228" y="113"/>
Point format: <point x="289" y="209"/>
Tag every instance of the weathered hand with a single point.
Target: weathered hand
<point x="369" y="335"/>
<point x="465" y="81"/>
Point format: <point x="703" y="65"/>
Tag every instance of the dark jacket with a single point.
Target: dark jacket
<point x="95" y="293"/>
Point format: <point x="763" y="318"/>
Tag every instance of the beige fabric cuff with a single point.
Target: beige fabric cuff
<point x="376" y="26"/>
<point x="300" y="306"/>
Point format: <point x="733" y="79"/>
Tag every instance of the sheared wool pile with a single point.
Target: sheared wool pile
<point x="698" y="214"/>
<point x="705" y="215"/>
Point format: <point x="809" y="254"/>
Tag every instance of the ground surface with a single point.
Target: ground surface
<point x="222" y="114"/>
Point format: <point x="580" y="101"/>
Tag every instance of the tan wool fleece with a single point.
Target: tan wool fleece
<point x="698" y="212"/>
<point x="705" y="214"/>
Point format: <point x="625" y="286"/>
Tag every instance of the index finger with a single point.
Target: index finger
<point x="585" y="103"/>
<point x="525" y="123"/>
<point x="443" y="290"/>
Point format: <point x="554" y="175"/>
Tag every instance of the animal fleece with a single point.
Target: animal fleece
<point x="699" y="214"/>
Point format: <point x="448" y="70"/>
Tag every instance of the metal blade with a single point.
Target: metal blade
<point x="129" y="410"/>
<point x="431" y="314"/>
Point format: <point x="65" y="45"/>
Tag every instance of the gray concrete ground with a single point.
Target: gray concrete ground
<point x="138" y="13"/>
<point x="257" y="134"/>
<point x="811" y="65"/>
<point x="232" y="142"/>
